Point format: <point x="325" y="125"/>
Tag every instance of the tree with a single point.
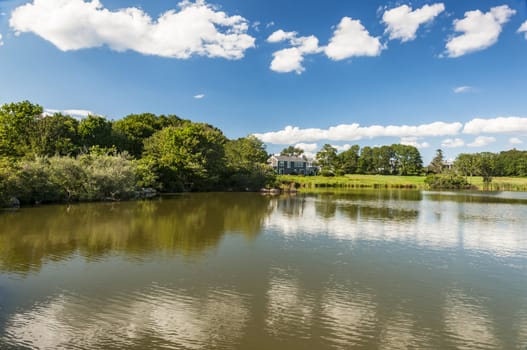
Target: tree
<point x="55" y="135"/>
<point x="190" y="157"/>
<point x="408" y="160"/>
<point x="17" y="127"/>
<point x="349" y="160"/>
<point x="366" y="161"/>
<point x="436" y="165"/>
<point x="131" y="131"/>
<point x="96" y="131"/>
<point x="327" y="158"/>
<point x="292" y="151"/>
<point x="467" y="164"/>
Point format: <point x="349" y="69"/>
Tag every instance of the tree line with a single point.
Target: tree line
<point x="396" y="159"/>
<point x="45" y="158"/>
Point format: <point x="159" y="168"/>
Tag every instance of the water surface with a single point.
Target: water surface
<point x="361" y="270"/>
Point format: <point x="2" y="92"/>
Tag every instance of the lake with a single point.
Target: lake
<point x="361" y="270"/>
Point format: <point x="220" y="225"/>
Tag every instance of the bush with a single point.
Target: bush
<point x="447" y="182"/>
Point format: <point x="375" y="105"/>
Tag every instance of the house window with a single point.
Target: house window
<point x="292" y="164"/>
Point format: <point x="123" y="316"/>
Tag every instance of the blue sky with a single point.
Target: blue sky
<point x="445" y="74"/>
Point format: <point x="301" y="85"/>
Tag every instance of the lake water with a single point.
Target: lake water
<point x="360" y="270"/>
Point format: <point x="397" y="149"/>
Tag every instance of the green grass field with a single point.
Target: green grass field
<point x="389" y="181"/>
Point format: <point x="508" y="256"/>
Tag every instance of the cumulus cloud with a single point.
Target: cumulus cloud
<point x="199" y="96"/>
<point x="514" y="141"/>
<point x="452" y="143"/>
<point x="413" y="141"/>
<point x="307" y="147"/>
<point x="523" y="29"/>
<point x="480" y="30"/>
<point x="290" y="59"/>
<point x="352" y="132"/>
<point x="482" y="141"/>
<point x="496" y="125"/>
<point x="462" y="89"/>
<point x="196" y="29"/>
<point x="341" y="148"/>
<point x="77" y="113"/>
<point x="402" y="23"/>
<point x="351" y="39"/>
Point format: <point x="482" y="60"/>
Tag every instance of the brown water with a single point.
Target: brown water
<point x="355" y="270"/>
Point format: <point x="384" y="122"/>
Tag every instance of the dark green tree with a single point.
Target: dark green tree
<point x="437" y="163"/>
<point x="17" y="128"/>
<point x="292" y="151"/>
<point x="96" y="131"/>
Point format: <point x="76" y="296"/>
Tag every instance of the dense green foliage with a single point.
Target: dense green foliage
<point x="48" y="158"/>
<point x="448" y="181"/>
<point x="385" y="160"/>
<point x="487" y="165"/>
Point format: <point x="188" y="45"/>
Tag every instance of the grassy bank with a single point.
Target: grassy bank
<point x="390" y="182"/>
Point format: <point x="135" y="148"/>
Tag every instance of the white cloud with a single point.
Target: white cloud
<point x="462" y="89"/>
<point x="307" y="147"/>
<point x="199" y="96"/>
<point x="281" y="35"/>
<point x="269" y="25"/>
<point x="480" y="30"/>
<point x="514" y="141"/>
<point x="413" y="141"/>
<point x="496" y="125"/>
<point x="482" y="141"/>
<point x="452" y="143"/>
<point x="196" y="29"/>
<point x="523" y="29"/>
<point x="402" y="23"/>
<point x="290" y="59"/>
<point x="351" y="39"/>
<point x="353" y="132"/>
<point x="342" y="148"/>
<point x="78" y="113"/>
<point x="1" y="42"/>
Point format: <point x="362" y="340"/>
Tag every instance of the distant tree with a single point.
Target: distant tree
<point x="327" y="158"/>
<point x="384" y="159"/>
<point x="408" y="160"/>
<point x="437" y="164"/>
<point x="367" y="161"/>
<point x="467" y="164"/>
<point x="292" y="151"/>
<point x="487" y="165"/>
<point x="349" y="160"/>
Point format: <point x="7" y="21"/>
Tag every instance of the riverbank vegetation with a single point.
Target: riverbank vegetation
<point x="57" y="158"/>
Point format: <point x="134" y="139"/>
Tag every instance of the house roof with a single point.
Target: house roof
<point x="289" y="159"/>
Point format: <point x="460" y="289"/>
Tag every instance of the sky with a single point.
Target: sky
<point x="446" y="74"/>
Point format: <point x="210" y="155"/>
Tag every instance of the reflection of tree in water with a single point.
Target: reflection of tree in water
<point x="292" y="206"/>
<point x="186" y="224"/>
<point x="368" y="204"/>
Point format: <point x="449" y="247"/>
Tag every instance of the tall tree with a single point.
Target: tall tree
<point x="349" y="160"/>
<point x="327" y="158"/>
<point x="17" y="127"/>
<point x="292" y="151"/>
<point x="437" y="164"/>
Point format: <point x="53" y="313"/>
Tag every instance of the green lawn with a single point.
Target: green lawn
<point x="390" y="181"/>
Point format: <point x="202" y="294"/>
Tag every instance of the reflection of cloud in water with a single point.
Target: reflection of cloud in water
<point x="401" y="332"/>
<point x="468" y="323"/>
<point x="433" y="224"/>
<point x="176" y="319"/>
<point x="350" y="317"/>
<point x="289" y="309"/>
